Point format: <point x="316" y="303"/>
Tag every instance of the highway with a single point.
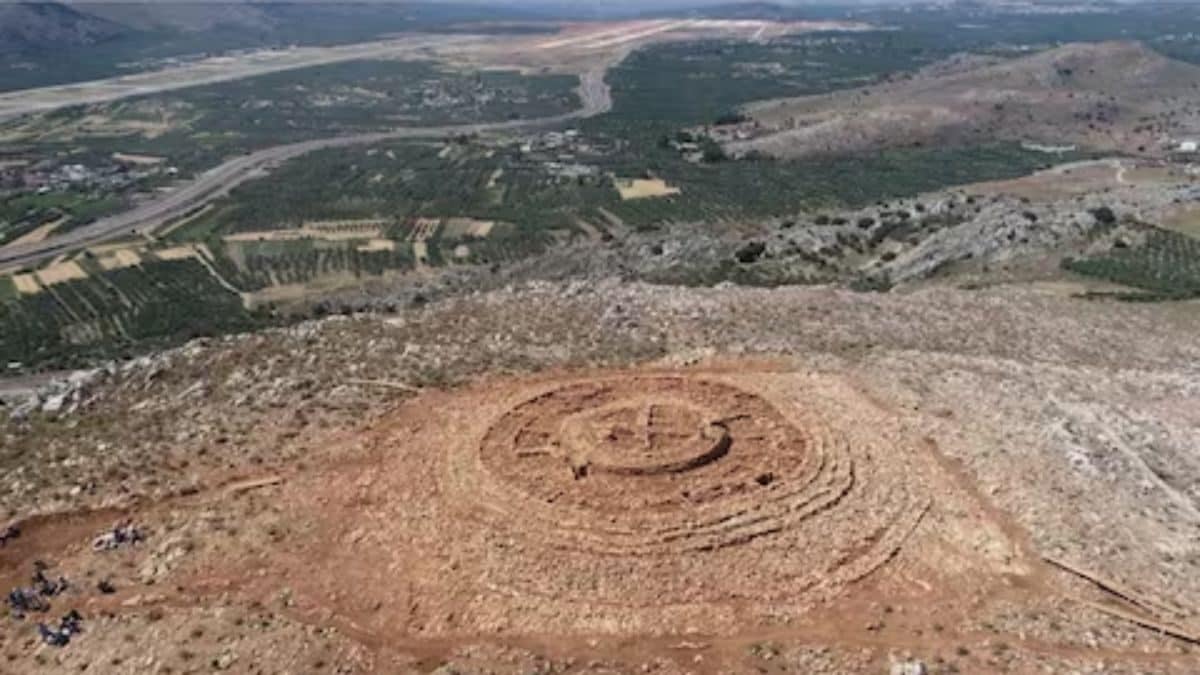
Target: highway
<point x="218" y="181"/>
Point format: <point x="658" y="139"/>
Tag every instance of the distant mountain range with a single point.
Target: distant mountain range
<point x="45" y="43"/>
<point x="32" y="27"/>
<point x="37" y="26"/>
<point x="186" y="16"/>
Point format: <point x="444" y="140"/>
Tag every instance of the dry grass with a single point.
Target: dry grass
<point x="129" y="256"/>
<point x="377" y="245"/>
<point x="324" y="285"/>
<point x="60" y="272"/>
<point x="27" y="284"/>
<point x="643" y="188"/>
<point x="1184" y="221"/>
<point x="1034" y="99"/>
<point x="95" y="125"/>
<point x="140" y="160"/>
<point x="326" y="230"/>
<point x="420" y="252"/>
<point x="178" y="253"/>
<point x="120" y="259"/>
<point x="1062" y="182"/>
<point x="468" y="227"/>
<point x="38" y="235"/>
<point x="1085" y="177"/>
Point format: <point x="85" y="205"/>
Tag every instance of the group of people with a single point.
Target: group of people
<point x="70" y="625"/>
<point x="44" y="585"/>
<point x="122" y="533"/>
<point x="23" y="600"/>
<point x="34" y="598"/>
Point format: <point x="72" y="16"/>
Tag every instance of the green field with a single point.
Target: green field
<point x="199" y="127"/>
<point x="22" y="213"/>
<point x="255" y="266"/>
<point x="117" y="313"/>
<point x="696" y="82"/>
<point x="1165" y="264"/>
<point x="658" y="92"/>
<point x="402" y="180"/>
<point x="8" y="290"/>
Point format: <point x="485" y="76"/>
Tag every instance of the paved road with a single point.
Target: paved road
<point x="151" y="215"/>
<point x="17" y="388"/>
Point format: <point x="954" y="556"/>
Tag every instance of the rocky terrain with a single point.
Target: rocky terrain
<point x="1001" y="232"/>
<point x="1112" y="96"/>
<point x="298" y="506"/>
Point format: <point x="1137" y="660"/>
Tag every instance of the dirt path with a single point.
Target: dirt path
<point x="17" y="388"/>
<point x="203" y="259"/>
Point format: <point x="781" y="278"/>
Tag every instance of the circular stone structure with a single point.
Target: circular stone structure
<point x="643" y="437"/>
<point x="652" y="490"/>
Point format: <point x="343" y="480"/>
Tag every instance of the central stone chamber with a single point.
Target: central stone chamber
<point x="646" y="437"/>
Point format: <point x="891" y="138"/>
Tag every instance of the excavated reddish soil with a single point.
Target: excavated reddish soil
<point x="698" y="519"/>
<point x="645" y="502"/>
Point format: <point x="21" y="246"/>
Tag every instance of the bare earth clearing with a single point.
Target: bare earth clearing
<point x="797" y="480"/>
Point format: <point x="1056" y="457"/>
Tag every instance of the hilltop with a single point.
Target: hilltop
<point x="1113" y="96"/>
<point x="894" y="477"/>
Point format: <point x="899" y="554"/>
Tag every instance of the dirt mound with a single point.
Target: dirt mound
<point x="1112" y="96"/>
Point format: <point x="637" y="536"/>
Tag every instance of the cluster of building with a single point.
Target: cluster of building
<point x="50" y="175"/>
<point x="449" y="94"/>
<point x="565" y="144"/>
<point x="697" y="144"/>
<point x="564" y="153"/>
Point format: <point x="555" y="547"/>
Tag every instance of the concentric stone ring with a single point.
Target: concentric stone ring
<point x="712" y="491"/>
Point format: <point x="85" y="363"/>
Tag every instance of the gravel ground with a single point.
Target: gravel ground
<point x="1071" y="418"/>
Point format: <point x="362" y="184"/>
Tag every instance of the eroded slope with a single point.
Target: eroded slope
<point x="1113" y="96"/>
